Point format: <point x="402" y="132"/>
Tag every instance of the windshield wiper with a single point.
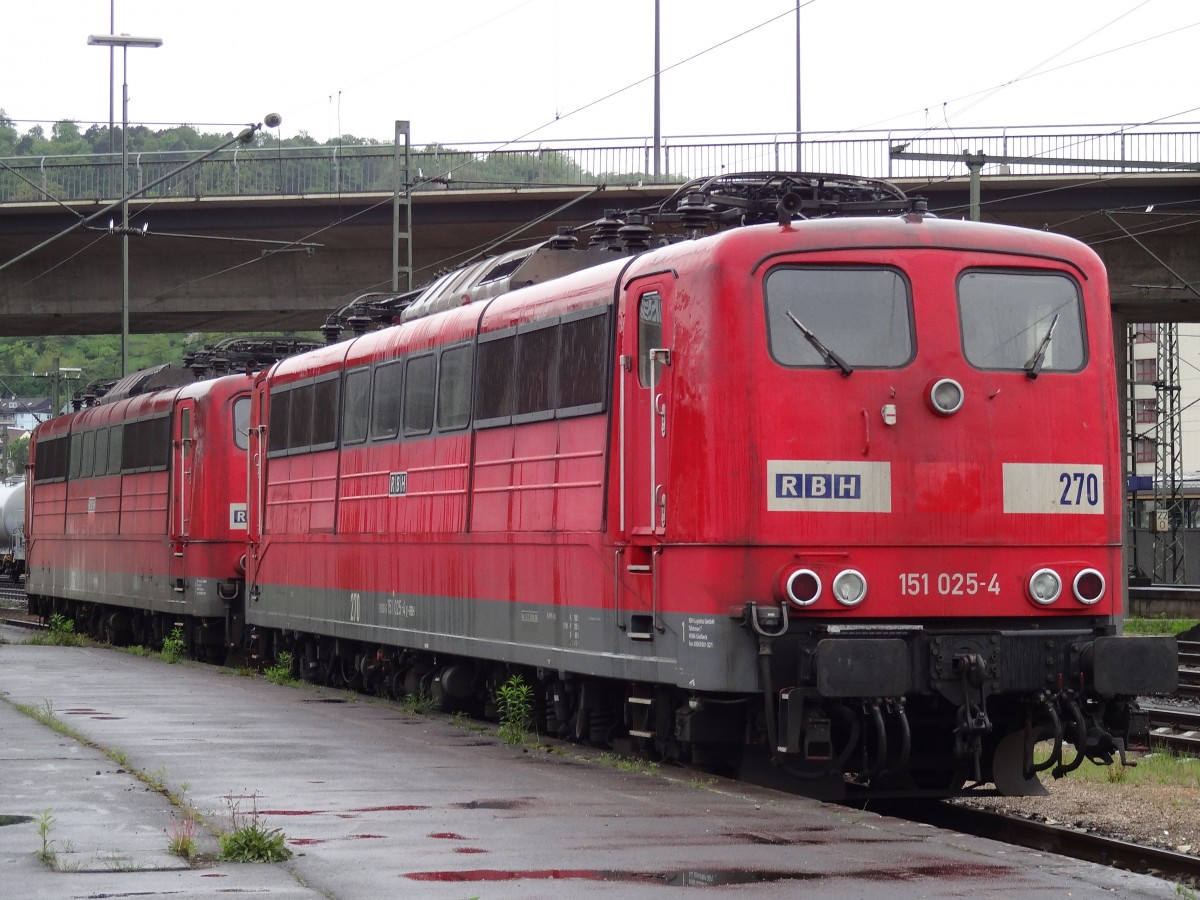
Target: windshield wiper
<point x="831" y="358"/>
<point x="1033" y="368"/>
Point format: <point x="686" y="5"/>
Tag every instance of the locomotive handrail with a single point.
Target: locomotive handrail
<point x="370" y="168"/>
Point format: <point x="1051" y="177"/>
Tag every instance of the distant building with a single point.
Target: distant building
<point x="24" y="412"/>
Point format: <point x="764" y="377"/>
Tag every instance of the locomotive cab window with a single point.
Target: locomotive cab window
<point x="241" y="424"/>
<point x="649" y="335"/>
<point x="862" y="316"/>
<point x="1014" y="320"/>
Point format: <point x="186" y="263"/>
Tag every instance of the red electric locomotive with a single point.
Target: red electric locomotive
<point x="842" y="491"/>
<point x="136" y="520"/>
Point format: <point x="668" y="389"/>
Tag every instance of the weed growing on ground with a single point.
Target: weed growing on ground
<point x="61" y="633"/>
<point x="173" y="645"/>
<point x="281" y="671"/>
<point x="182" y="837"/>
<point x="156" y="780"/>
<point x="514" y="702"/>
<point x="628" y="764"/>
<point x="45" y="824"/>
<point x="417" y="704"/>
<point x="248" y="839"/>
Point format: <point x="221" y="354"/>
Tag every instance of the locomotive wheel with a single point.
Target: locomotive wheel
<point x="1008" y="768"/>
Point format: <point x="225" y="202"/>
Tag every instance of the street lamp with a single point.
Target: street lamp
<point x="124" y="41"/>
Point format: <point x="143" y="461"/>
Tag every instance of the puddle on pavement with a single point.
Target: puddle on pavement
<point x="701" y="878"/>
<point x="683" y="878"/>
<point x="491" y="804"/>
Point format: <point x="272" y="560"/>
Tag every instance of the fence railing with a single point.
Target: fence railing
<point x="360" y="169"/>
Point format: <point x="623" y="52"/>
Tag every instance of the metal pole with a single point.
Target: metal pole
<point x="657" y="100"/>
<point x="124" y="212"/>
<point x="112" y="29"/>
<point x="798" y="164"/>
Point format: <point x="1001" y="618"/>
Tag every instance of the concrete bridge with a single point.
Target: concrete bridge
<point x="267" y="241"/>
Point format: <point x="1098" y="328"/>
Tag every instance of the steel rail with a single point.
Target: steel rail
<point x="1070" y="842"/>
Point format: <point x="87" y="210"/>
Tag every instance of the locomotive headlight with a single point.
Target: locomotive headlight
<point x="1045" y="587"/>
<point x="946" y="396"/>
<point x="849" y="587"/>
<point x="1088" y="586"/>
<point x="803" y="587"/>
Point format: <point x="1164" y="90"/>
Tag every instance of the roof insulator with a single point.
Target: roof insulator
<point x="695" y="213"/>
<point x="635" y="233"/>
<point x="563" y="239"/>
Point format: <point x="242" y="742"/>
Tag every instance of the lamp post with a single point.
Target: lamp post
<point x="124" y="41"/>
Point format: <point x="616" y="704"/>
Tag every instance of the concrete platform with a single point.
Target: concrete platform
<point x="377" y="802"/>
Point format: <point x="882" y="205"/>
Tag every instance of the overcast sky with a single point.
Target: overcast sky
<point x="496" y="70"/>
<point x="501" y="70"/>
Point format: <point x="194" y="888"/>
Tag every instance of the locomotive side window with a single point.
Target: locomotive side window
<point x="649" y="334"/>
<point x="51" y="460"/>
<point x="76" y="454"/>
<point x="863" y="315"/>
<point x="582" y="363"/>
<point x="537" y="359"/>
<point x="385" y="401"/>
<point x="300" y="417"/>
<point x="554" y="368"/>
<point x="88" y="458"/>
<point x="494" y="380"/>
<point x="325" y="413"/>
<point x="418" y="395"/>
<point x="115" y="443"/>
<point x="149" y="445"/>
<point x="1013" y="320"/>
<point x="100" y="467"/>
<point x="357" y="406"/>
<point x="281" y="402"/>
<point x="454" y="389"/>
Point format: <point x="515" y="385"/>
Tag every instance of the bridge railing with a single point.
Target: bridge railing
<point x="357" y="169"/>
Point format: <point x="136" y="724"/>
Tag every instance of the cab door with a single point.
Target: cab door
<point x="645" y="425"/>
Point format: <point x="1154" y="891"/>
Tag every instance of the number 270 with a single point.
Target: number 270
<point x="1079" y="488"/>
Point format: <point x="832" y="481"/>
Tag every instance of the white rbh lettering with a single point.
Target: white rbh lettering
<point x="809" y="486"/>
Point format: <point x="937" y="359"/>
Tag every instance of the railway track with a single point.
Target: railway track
<point x="1071" y="842"/>
<point x="1173" y="728"/>
<point x="12" y="596"/>
<point x="1189" y="668"/>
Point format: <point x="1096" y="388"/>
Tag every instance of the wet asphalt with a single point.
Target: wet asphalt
<point x="376" y="801"/>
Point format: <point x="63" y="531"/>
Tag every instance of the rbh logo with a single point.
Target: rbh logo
<point x="808" y="486"/>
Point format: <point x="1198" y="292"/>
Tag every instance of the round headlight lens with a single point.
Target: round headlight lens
<point x="946" y="396"/>
<point x="1088" y="586"/>
<point x="849" y="587"/>
<point x="803" y="587"/>
<point x="1045" y="587"/>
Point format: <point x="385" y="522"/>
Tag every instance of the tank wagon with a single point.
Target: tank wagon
<point x="841" y="492"/>
<point x="12" y="530"/>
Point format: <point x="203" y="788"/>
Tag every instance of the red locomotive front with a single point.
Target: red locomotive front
<point x="845" y="490"/>
<point x="889" y="448"/>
